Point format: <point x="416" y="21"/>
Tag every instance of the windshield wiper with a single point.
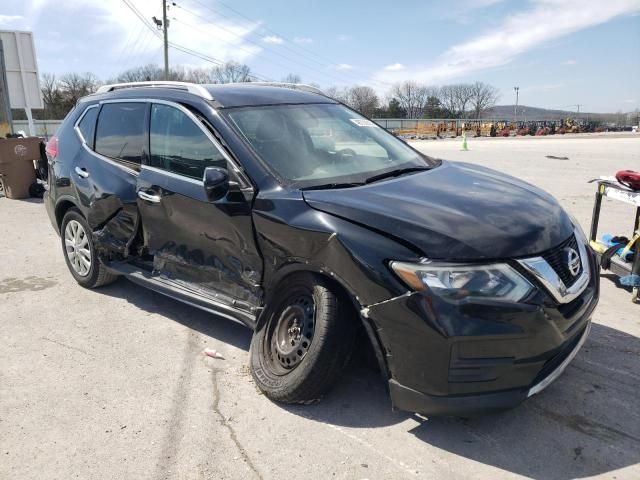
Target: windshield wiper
<point x="395" y="173"/>
<point x="329" y="186"/>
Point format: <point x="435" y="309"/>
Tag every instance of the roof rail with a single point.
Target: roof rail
<point x="189" y="87"/>
<point x="294" y="86"/>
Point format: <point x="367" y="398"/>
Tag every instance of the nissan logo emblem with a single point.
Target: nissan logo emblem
<point x="573" y="261"/>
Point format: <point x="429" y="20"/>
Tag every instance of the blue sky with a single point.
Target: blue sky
<point x="559" y="52"/>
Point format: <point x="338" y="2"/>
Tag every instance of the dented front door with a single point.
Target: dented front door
<point x="207" y="246"/>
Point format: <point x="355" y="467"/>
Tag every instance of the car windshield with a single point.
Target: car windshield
<point x="324" y="145"/>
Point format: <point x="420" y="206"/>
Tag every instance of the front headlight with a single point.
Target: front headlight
<point x="496" y="281"/>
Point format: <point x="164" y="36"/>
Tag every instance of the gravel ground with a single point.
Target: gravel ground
<point x="112" y="383"/>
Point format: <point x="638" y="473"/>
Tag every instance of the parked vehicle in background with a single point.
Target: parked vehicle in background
<point x="289" y="212"/>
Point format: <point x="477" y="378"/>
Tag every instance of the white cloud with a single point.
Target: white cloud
<point x="303" y="40"/>
<point x="570" y="62"/>
<point x="394" y="67"/>
<point x="465" y="11"/>
<point x="630" y="100"/>
<point x="273" y="39"/>
<point x="343" y="66"/>
<point x="122" y="39"/>
<point x="7" y="19"/>
<point x="546" y="20"/>
<point x="342" y="37"/>
<point x="128" y="42"/>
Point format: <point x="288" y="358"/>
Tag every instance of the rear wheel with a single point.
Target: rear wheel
<point x="298" y="354"/>
<point x="80" y="254"/>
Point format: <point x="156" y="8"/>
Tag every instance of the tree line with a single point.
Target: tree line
<point x="406" y="99"/>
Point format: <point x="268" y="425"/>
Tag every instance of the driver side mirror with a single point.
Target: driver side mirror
<point x="216" y="183"/>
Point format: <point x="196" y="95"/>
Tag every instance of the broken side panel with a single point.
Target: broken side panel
<point x="205" y="245"/>
<point x="108" y="191"/>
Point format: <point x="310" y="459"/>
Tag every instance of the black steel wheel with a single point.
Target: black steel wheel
<point x="290" y="336"/>
<point x="300" y="349"/>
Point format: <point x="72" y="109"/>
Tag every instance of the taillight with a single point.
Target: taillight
<point x="52" y="147"/>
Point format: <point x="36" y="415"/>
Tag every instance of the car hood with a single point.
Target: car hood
<point x="456" y="211"/>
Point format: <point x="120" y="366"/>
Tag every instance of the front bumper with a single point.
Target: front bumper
<point x="461" y="359"/>
<point x="405" y="398"/>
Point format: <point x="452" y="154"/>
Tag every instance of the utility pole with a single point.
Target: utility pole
<point x="165" y="26"/>
<point x="515" y="110"/>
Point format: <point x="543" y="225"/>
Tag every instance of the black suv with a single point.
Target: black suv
<point x="285" y="210"/>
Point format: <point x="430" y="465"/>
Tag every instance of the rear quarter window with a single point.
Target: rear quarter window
<point x="87" y="126"/>
<point x="120" y="132"/>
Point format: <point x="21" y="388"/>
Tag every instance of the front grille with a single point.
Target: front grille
<point x="558" y="260"/>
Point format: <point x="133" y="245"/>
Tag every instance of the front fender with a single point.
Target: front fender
<point x="293" y="236"/>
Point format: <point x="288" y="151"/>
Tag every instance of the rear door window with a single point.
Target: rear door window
<point x="179" y="145"/>
<point x="87" y="126"/>
<point x="120" y="132"/>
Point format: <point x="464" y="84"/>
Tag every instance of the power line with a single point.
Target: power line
<point x="182" y="48"/>
<point x="143" y="44"/>
<point x="223" y="41"/>
<point x="328" y="75"/>
<point x="127" y="43"/>
<point x="289" y="41"/>
<point x="344" y="77"/>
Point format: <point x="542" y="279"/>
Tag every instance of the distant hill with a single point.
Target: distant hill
<point x="534" y="113"/>
<point x="531" y="113"/>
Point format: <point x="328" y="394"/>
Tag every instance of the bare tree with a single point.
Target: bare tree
<point x="463" y="93"/>
<point x="76" y="85"/>
<point x="231" y="72"/>
<point x="142" y="73"/>
<point x="362" y="99"/>
<point x="177" y="74"/>
<point x="198" y="75"/>
<point x="483" y="97"/>
<point x="412" y="97"/>
<point x="455" y="98"/>
<point x="338" y="93"/>
<point x="52" y="97"/>
<point x="50" y="90"/>
<point x="292" y="78"/>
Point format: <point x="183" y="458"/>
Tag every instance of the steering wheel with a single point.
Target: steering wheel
<point x="345" y="153"/>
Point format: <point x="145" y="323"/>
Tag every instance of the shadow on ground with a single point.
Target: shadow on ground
<point x="587" y="423"/>
<point x="220" y="328"/>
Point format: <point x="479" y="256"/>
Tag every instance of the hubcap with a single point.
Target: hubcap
<point x="76" y="244"/>
<point x="293" y="332"/>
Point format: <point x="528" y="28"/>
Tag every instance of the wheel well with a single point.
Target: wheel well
<point x="61" y="210"/>
<point x="367" y="340"/>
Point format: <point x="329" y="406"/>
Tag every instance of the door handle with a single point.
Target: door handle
<point x="148" y="197"/>
<point x="82" y="172"/>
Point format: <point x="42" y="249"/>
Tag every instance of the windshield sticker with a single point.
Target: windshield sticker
<point x="361" y="122"/>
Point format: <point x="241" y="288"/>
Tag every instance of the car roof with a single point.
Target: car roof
<point x="246" y="94"/>
<point x="229" y="95"/>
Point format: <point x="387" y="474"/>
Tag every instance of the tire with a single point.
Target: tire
<point x="310" y="311"/>
<point x="89" y="276"/>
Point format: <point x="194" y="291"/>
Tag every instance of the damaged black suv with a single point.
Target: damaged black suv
<point x="285" y="210"/>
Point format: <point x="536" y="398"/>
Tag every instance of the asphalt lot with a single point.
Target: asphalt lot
<point x="112" y="383"/>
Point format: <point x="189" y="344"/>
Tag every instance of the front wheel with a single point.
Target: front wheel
<point x="80" y="254"/>
<point x="299" y="352"/>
